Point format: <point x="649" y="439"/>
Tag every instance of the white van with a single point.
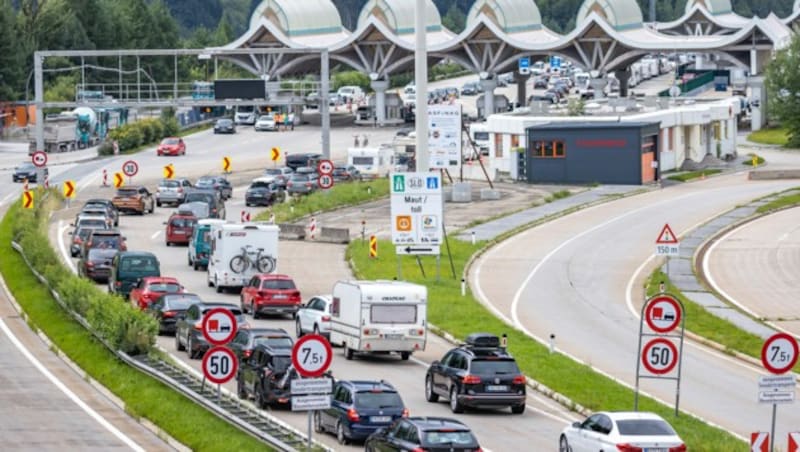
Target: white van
<point x="379" y="317"/>
<point x="350" y="93"/>
<point x="372" y="162"/>
<point x="239" y="251"/>
<point x="479" y="132"/>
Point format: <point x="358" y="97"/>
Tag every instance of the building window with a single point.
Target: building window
<point x="671" y="138"/>
<point x="548" y="149"/>
<point x="498" y="145"/>
<point x="514" y="141"/>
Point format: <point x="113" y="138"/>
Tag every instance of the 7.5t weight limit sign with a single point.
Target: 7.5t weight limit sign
<point x="312" y="355"/>
<point x="779" y="353"/>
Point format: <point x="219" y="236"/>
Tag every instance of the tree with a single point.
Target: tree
<point x="783" y="89"/>
<point x="11" y="70"/>
<point x="455" y="20"/>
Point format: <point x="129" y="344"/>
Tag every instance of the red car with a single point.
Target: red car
<point x="180" y="227"/>
<point x="171" y="146"/>
<point x="270" y="294"/>
<point x="150" y="288"/>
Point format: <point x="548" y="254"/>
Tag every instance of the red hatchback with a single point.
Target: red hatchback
<point x="150" y="288"/>
<point x="180" y="227"/>
<point x="270" y="294"/>
<point x="171" y="146"/>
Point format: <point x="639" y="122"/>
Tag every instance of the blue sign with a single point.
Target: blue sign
<point x="555" y="61"/>
<point x="433" y="183"/>
<point x="524" y="65"/>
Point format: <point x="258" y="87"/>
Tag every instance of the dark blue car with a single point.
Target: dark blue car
<point x="359" y="408"/>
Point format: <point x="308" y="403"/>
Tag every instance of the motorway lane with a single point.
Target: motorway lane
<point x="755" y="266"/>
<point x="571" y="277"/>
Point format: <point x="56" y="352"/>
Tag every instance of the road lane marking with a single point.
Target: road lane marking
<point x="156" y="234"/>
<point x="64" y="389"/>
<point x="7" y="197"/>
<point x="63" y="247"/>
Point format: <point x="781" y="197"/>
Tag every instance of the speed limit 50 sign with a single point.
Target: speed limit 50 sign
<point x="312" y="355"/>
<point x="220" y="365"/>
<point x="659" y="356"/>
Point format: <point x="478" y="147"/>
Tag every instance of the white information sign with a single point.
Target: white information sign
<point x="312" y="386"/>
<point x="311" y="402"/>
<point x="417" y="210"/>
<point x="444" y="136"/>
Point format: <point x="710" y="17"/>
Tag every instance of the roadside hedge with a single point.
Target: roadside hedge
<point x="139" y="133"/>
<point x="120" y="324"/>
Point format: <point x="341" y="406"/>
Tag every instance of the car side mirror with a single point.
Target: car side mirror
<point x="576" y="424"/>
<point x="70" y="232"/>
<point x="72" y="224"/>
<point x="164" y="223"/>
<point x="435" y="363"/>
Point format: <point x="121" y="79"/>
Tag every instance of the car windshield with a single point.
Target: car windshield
<point x="339" y="170"/>
<point x="644" y="427"/>
<point x="494" y="367"/>
<point x="182" y="222"/>
<point x="300" y="178"/>
<point x="26" y="167"/>
<point x="224" y="122"/>
<point x="170" y="141"/>
<point x="164" y="287"/>
<point x="450" y="437"/>
<point x="127" y="192"/>
<point x="259" y="185"/>
<point x="274" y="341"/>
<point x="205" y="181"/>
<point x="278" y="284"/>
<point x="265" y="118"/>
<point x="180" y="301"/>
<point x="378" y="399"/>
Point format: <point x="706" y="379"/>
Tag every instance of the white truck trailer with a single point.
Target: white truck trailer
<point x="379" y="317"/>
<point x="239" y="251"/>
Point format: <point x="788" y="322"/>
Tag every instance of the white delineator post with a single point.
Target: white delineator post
<point x="312" y="228"/>
<point x="421" y="81"/>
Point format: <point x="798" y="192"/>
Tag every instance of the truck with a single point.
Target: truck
<point x="738" y="82"/>
<point x="379" y="317"/>
<point x="239" y="251"/>
<point x="479" y="133"/>
<point x="76" y="129"/>
<point x="372" y="162"/>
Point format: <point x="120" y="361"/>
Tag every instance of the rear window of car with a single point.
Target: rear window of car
<point x="170" y="183"/>
<point x="379" y="399"/>
<point x="644" y="427"/>
<point x="274" y="341"/>
<point x="136" y="265"/>
<point x="97" y="253"/>
<point x="83" y="232"/>
<point x="181" y="302"/>
<point x="433" y="438"/>
<point x="127" y="192"/>
<point x="278" y="284"/>
<point x="260" y="185"/>
<point x="201" y="197"/>
<point x="494" y="367"/>
<point x="93" y="223"/>
<point x="105" y="241"/>
<point x="170" y="141"/>
<point x="164" y="287"/>
<point x="182" y="222"/>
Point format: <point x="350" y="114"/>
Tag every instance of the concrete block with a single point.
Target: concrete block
<point x="334" y="235"/>
<point x="292" y="231"/>
<point x="774" y="174"/>
<point x="489" y="194"/>
<point x="462" y="192"/>
<point x="447" y="194"/>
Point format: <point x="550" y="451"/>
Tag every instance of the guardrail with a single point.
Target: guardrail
<point x="262" y="426"/>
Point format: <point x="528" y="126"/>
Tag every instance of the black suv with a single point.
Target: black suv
<point x="478" y="374"/>
<point x="216" y="206"/>
<point x="295" y="161"/>
<point x="424" y="433"/>
<point x="266" y="376"/>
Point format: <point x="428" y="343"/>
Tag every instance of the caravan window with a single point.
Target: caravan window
<point x="363" y="160"/>
<point x="481" y="136"/>
<point x="390" y="313"/>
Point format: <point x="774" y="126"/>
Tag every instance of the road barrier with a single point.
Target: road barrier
<point x="333" y="235"/>
<point x="292" y="231"/>
<point x="774" y="174"/>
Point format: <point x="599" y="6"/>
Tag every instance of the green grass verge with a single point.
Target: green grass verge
<point x="775" y="135"/>
<point x="463" y="315"/>
<point x="780" y="203"/>
<point x="749" y="162"/>
<point x="683" y="177"/>
<point x="341" y="195"/>
<point x="146" y="397"/>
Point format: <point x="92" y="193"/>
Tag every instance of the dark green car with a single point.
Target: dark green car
<point x="128" y="267"/>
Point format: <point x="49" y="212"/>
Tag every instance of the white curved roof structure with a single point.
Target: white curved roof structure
<point x="715" y="7"/>
<point x="511" y="16"/>
<point x="620" y="14"/>
<point x="299" y="18"/>
<point x="398" y="15"/>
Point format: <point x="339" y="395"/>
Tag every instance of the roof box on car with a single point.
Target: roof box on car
<point x="483" y="340"/>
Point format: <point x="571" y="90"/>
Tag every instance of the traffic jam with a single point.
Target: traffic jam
<point x="230" y="315"/>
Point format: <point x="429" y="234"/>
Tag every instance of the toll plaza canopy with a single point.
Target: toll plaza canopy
<point x="608" y="36"/>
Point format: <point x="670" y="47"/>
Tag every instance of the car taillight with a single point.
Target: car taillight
<point x="308" y="184"/>
<point x="289" y="184"/>
<point x="681" y="448"/>
<point x="471" y="379"/>
<point x="169" y="314"/>
<point x="418" y="449"/>
<point x="90" y="264"/>
<point x="628" y="448"/>
<point x="405" y="412"/>
<point x="262" y="293"/>
<point x="198" y="326"/>
<point x="519" y="380"/>
<point x="118" y="284"/>
<point x="247" y="353"/>
<point x="370" y="331"/>
<point x="416" y="332"/>
<point x="326" y="318"/>
<point x="180" y="190"/>
<point x="352" y="415"/>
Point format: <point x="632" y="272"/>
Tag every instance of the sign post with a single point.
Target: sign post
<point x="219" y="328"/>
<point x="664" y="316"/>
<point x="778" y="355"/>
<point x="311" y="358"/>
<point x="219" y="366"/>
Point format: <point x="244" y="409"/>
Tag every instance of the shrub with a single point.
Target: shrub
<point x="146" y="127"/>
<point x="170" y="126"/>
<point x="106" y="148"/>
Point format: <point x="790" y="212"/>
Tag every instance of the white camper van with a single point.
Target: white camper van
<point x="239" y="251"/>
<point x="379" y="317"/>
<point x="372" y="162"/>
<point x="479" y="132"/>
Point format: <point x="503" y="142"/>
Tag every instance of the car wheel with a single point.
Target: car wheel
<point x="563" y="445"/>
<point x="518" y="409"/>
<point x="178" y="346"/>
<point x="158" y="203"/>
<point x="253" y="310"/>
<point x="298" y="330"/>
<point x="217" y="286"/>
<point x="318" y="423"/>
<point x="188" y="259"/>
<point x="190" y="347"/>
<point x="152" y="208"/>
<point x="430" y="396"/>
<point x="348" y="352"/>
<point x="242" y="304"/>
<point x="316" y="329"/>
<point x="240" y="391"/>
<point x="196" y="266"/>
<point x="405" y="355"/>
<point x="168" y="243"/>
<point x="340" y="436"/>
<point x="261" y="403"/>
<point x="455" y="406"/>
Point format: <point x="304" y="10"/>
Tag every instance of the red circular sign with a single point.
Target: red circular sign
<point x="663" y="313"/>
<point x="779" y="353"/>
<point x="312" y="355"/>
<point x="39" y="158"/>
<point x="219" y="326"/>
<point x="130" y="168"/>
<point x="325" y="167"/>
<point x="325" y="181"/>
<point x="220" y="365"/>
<point x="659" y="356"/>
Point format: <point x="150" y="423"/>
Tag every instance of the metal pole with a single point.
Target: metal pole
<point x="38" y="99"/>
<point x="399" y="268"/>
<point x="680" y="358"/>
<point x="119" y="64"/>
<point x="324" y="112"/>
<point x="439" y="270"/>
<point x="219" y="394"/>
<point x="175" y="79"/>
<point x="772" y="430"/>
<point x="138" y="80"/>
<point x="309" y="430"/>
<point x="83" y="75"/>
<point x="638" y="359"/>
<point x="421" y="81"/>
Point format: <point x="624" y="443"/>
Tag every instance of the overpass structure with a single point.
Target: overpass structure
<point x="609" y="35"/>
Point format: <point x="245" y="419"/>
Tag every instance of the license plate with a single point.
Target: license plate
<point x="393" y="336"/>
<point x="280" y="296"/>
<point x="179" y="232"/>
<point x="655" y="449"/>
<point x="496" y="388"/>
<point x="381" y="419"/>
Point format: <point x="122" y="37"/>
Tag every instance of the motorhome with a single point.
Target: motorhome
<point x="239" y="251"/>
<point x="479" y="133"/>
<point x="245" y="114"/>
<point x="372" y="162"/>
<point x="200" y="243"/>
<point x="379" y="317"/>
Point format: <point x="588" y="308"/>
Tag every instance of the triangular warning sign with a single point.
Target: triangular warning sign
<point x="666" y="236"/>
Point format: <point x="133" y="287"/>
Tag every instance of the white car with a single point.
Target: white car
<point x="315" y="316"/>
<point x="621" y="431"/>
<point x="265" y="122"/>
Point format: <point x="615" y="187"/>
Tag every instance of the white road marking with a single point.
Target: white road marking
<point x="63" y="247"/>
<point x="93" y="177"/>
<point x="63" y="388"/>
<point x="7" y="197"/>
<point x="156" y="234"/>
